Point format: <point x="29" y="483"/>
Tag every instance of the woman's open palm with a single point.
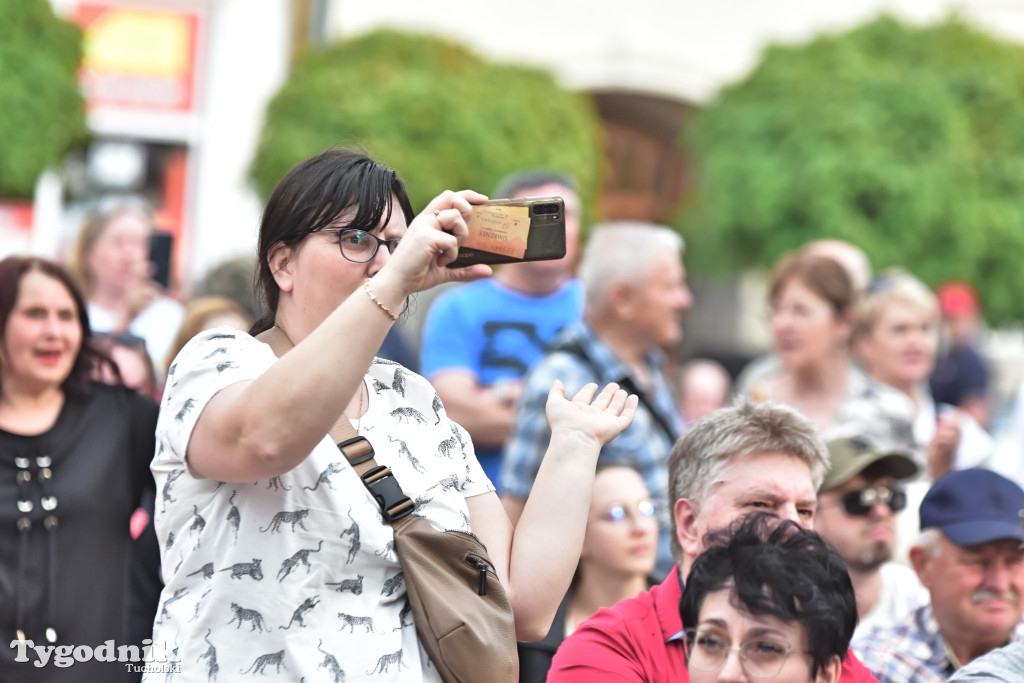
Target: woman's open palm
<point x="597" y="415"/>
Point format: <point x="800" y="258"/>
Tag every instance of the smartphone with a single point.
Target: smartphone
<point x="514" y="230"/>
<point x="160" y="247"/>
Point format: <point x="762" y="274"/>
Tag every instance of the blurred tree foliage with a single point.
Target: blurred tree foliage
<point x="906" y="141"/>
<point x="438" y="114"/>
<point x="43" y="113"/>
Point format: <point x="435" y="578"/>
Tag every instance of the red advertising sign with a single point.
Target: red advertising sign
<point x="138" y="58"/>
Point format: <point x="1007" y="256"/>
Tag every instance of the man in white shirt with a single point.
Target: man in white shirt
<point x="857" y="506"/>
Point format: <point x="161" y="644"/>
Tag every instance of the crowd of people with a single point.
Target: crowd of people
<point x="828" y="515"/>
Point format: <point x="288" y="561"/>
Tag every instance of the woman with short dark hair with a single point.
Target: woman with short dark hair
<point x="767" y="599"/>
<point x="277" y="558"/>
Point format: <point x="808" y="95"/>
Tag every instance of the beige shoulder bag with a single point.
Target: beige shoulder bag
<point x="459" y="606"/>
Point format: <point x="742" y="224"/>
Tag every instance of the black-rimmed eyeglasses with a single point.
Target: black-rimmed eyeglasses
<point x="360" y="246"/>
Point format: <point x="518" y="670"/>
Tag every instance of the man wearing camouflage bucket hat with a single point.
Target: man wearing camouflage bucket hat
<point x="858" y="503"/>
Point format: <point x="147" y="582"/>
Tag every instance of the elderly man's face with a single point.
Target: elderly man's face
<point x="975" y="590"/>
<point x="659" y="302"/>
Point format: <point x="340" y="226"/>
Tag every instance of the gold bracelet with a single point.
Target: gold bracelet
<point x="380" y="304"/>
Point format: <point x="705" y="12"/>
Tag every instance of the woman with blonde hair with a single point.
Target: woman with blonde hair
<point x="897" y="338"/>
<point x="111" y="261"/>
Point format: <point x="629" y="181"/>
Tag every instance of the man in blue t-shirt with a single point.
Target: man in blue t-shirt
<point x="479" y="339"/>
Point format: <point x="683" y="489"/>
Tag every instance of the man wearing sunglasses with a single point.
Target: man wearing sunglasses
<point x="970" y="557"/>
<point x="857" y="507"/>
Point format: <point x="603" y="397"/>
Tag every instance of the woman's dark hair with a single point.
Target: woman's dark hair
<point x="12" y="270"/>
<point x="311" y="197"/>
<point x="821" y="274"/>
<point x="777" y="569"/>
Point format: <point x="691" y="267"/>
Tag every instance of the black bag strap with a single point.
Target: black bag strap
<point x="378" y="479"/>
<point x="574" y="348"/>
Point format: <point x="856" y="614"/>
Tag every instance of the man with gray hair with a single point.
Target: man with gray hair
<point x="748" y="457"/>
<point x="635" y="294"/>
<point x="970" y="557"/>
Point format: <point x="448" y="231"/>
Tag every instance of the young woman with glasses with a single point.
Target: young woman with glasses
<point x="276" y="556"/>
<point x="767" y="600"/>
<point x="619" y="552"/>
<point x="74" y="464"/>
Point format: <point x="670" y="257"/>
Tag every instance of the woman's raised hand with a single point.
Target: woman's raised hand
<point x="941" y="450"/>
<point x="591" y="415"/>
<point x="432" y="242"/>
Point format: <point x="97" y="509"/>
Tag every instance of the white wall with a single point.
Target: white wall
<point x="247" y="60"/>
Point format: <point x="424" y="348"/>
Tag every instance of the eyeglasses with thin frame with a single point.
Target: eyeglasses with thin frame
<point x="860" y="502"/>
<point x="761" y="658"/>
<point x="360" y="246"/>
<point x="645" y="509"/>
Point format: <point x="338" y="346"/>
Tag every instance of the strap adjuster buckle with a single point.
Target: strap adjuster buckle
<point x="362" y="450"/>
<point x="385" y="489"/>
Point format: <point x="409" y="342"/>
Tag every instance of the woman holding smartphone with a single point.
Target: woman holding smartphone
<point x="276" y="557"/>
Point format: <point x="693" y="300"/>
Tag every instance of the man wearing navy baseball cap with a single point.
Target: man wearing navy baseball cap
<point x="970" y="557"/>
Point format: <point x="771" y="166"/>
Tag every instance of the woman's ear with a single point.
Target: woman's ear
<point x="830" y="672"/>
<point x="279" y="260"/>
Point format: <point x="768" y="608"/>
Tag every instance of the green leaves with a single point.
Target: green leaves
<point x="906" y="141"/>
<point x="42" y="113"/>
<point x="436" y="113"/>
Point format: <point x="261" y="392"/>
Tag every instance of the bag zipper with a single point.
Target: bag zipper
<point x="466" y="533"/>
<point x="482" y="567"/>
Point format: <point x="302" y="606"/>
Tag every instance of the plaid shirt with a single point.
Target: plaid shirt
<point x="911" y="652"/>
<point x="644" y="445"/>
